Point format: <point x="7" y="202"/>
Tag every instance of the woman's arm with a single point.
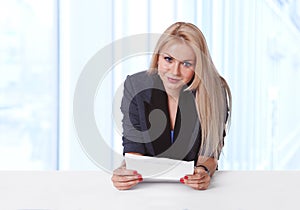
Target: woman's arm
<point x="123" y="178"/>
<point x="132" y="135"/>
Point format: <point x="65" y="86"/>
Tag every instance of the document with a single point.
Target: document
<point x="159" y="169"/>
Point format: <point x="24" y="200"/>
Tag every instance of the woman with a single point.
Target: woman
<point x="194" y="103"/>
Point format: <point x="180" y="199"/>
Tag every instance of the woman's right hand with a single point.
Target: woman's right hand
<point x="124" y="179"/>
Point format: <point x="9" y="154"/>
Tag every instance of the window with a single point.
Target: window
<point x="28" y="84"/>
<point x="43" y="50"/>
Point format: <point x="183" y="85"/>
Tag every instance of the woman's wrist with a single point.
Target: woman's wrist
<point x="204" y="167"/>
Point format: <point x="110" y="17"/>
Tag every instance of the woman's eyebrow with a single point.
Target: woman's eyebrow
<point x="167" y="54"/>
<point x="185" y="60"/>
<point x="191" y="60"/>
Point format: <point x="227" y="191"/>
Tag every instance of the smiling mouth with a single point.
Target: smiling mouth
<point x="173" y="80"/>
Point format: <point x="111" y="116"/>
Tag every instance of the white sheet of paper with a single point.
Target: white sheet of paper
<point x="159" y="169"/>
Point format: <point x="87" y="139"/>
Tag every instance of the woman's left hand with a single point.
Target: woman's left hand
<point x="200" y="180"/>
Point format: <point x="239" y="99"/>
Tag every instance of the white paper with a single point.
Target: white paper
<point x="159" y="169"/>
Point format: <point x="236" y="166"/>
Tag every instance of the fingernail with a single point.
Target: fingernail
<point x="135" y="172"/>
<point x="140" y="179"/>
<point x="181" y="180"/>
<point x="139" y="176"/>
<point x="186" y="177"/>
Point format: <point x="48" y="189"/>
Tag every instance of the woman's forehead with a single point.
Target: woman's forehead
<point x="179" y="49"/>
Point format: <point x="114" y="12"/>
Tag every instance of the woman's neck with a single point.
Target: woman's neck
<point x="173" y="95"/>
<point x="172" y="105"/>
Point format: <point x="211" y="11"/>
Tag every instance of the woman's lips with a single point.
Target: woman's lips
<point x="173" y="80"/>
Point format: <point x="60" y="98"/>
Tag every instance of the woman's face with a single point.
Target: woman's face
<point x="176" y="64"/>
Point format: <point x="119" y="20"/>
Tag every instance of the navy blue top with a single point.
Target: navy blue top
<point x="172" y="136"/>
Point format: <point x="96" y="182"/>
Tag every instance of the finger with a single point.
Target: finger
<point x="126" y="182"/>
<point x="201" y="176"/>
<point x="126" y="178"/>
<point x="124" y="172"/>
<point x="195" y="181"/>
<point x="126" y="185"/>
<point x="206" y="179"/>
<point x="200" y="186"/>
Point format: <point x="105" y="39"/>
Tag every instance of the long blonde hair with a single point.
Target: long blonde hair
<point x="213" y="95"/>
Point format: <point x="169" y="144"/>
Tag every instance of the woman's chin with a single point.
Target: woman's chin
<point x="173" y="87"/>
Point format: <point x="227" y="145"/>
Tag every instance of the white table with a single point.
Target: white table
<point x="89" y="190"/>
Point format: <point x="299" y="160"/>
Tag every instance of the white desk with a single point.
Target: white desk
<point x="89" y="190"/>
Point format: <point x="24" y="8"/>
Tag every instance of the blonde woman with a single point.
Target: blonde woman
<point x="194" y="102"/>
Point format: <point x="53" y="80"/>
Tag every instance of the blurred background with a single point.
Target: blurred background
<point x="45" y="44"/>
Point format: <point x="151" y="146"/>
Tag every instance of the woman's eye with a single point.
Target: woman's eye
<point x="187" y="64"/>
<point x="168" y="59"/>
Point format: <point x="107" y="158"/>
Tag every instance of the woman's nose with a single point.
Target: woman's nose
<point x="175" y="69"/>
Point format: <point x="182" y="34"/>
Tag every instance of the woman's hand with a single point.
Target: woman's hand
<point x="200" y="180"/>
<point x="124" y="179"/>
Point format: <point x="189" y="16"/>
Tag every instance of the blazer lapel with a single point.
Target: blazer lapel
<point x="159" y="100"/>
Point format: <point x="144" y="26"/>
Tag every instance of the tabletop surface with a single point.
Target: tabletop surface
<point x="88" y="190"/>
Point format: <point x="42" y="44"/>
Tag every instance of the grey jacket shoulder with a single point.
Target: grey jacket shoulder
<point x="142" y="78"/>
<point x="142" y="81"/>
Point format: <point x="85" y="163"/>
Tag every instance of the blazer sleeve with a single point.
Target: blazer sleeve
<point x="132" y="135"/>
